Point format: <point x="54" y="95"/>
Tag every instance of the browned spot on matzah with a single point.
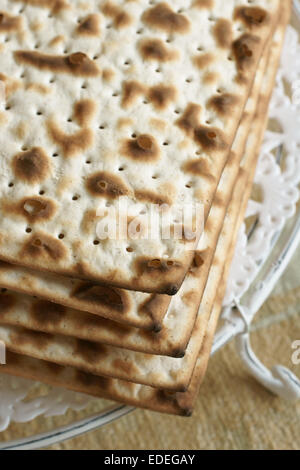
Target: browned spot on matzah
<point x="223" y="104"/>
<point x="70" y="144"/>
<point x="33" y="209"/>
<point x="89" y="221"/>
<point x="252" y="17"/>
<point x="245" y="51"/>
<point x="155" y="267"/>
<point x="84" y="111"/>
<point x="145" y="195"/>
<point x="104" y="184"/>
<point x="9" y="23"/>
<point x="108" y="75"/>
<point x="210" y="139"/>
<point x="190" y="119"/>
<point x="41" y="245"/>
<point x="203" y="60"/>
<point x="4" y="265"/>
<point x="162" y="17"/>
<point x="89" y="26"/>
<point x="116" y="299"/>
<point x="23" y="337"/>
<point x="162" y="95"/>
<point x="47" y="313"/>
<point x="89" y="352"/>
<point x="210" y="78"/>
<point x="190" y="297"/>
<point x="54" y="5"/>
<point x="155" y="49"/>
<point x="32" y="166"/>
<point x="203" y="3"/>
<point x="120" y="17"/>
<point x="144" y="148"/>
<point x="89" y="380"/>
<point x="130" y="92"/>
<point x="77" y="64"/>
<point x="198" y="166"/>
<point x="223" y="33"/>
<point x="7" y="301"/>
<point x="125" y="366"/>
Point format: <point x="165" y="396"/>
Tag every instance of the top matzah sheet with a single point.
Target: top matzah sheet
<point x="77" y="134"/>
<point x="178" y="322"/>
<point x="135" y="308"/>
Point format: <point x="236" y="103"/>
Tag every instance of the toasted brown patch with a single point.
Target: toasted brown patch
<point x="155" y="49"/>
<point x="245" y="50"/>
<point x="203" y="60"/>
<point x="84" y="112"/>
<point x="4" y="265"/>
<point x="47" y="313"/>
<point x="190" y="297"/>
<point x="89" y="352"/>
<point x="32" y="166"/>
<point x="105" y="184"/>
<point x="252" y="17"/>
<point x="121" y="19"/>
<point x="223" y="33"/>
<point x="70" y="144"/>
<point x="198" y="166"/>
<point x="33" y="209"/>
<point x="29" y="338"/>
<point x="38" y="88"/>
<point x="89" y="221"/>
<point x="154" y="268"/>
<point x="7" y="302"/>
<point x="145" y="195"/>
<point x="9" y="23"/>
<point x="77" y="64"/>
<point x="223" y="104"/>
<point x="143" y="148"/>
<point x="41" y="245"/>
<point x="190" y="119"/>
<point x="124" y="366"/>
<point x="56" y="6"/>
<point x="108" y="75"/>
<point x="162" y="95"/>
<point x="210" y="77"/>
<point x="210" y="139"/>
<point x="56" y="41"/>
<point x="89" y="380"/>
<point x="113" y="298"/>
<point x="89" y="26"/>
<point x="203" y="3"/>
<point x="162" y="17"/>
<point x="131" y="91"/>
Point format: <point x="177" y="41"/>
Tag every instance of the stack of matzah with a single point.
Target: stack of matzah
<point x="114" y="104"/>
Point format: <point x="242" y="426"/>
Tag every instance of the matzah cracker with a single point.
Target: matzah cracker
<point x="77" y="134"/>
<point x="177" y="326"/>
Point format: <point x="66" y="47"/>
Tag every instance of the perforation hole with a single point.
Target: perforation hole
<point x="75" y="197"/>
<point x="96" y="242"/>
<point x="129" y="249"/>
<point x="11" y="184"/>
<point x="42" y="192"/>
<point x="28" y="230"/>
